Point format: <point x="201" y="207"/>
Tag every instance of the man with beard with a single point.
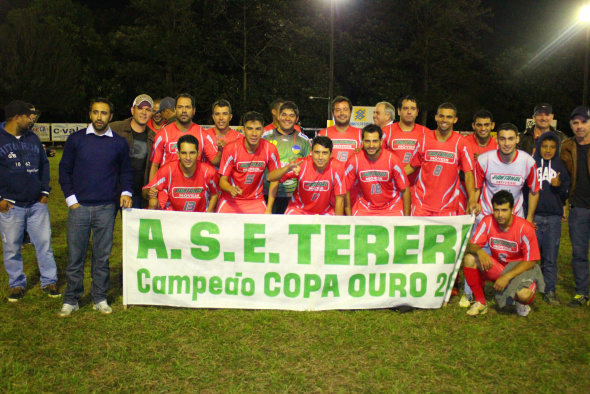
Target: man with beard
<point x="165" y="148"/>
<point x="95" y="163"/>
<point x="320" y="179"/>
<point x="140" y="139"/>
<point x="291" y="145"/>
<point x="380" y="174"/>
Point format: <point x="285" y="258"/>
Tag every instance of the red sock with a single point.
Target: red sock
<point x="473" y="278"/>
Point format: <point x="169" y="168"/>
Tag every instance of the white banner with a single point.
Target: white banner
<point x="61" y="131"/>
<point x="201" y="260"/>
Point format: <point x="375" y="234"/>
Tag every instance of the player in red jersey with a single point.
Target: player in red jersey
<point x="275" y="111"/>
<point x="402" y="137"/>
<point x="222" y="115"/>
<point x="165" y="149"/>
<point x="242" y="170"/>
<point x="320" y="178"/>
<point x="185" y="184"/>
<point x="157" y="121"/>
<point x="440" y="155"/>
<point x="481" y="141"/>
<point x="512" y="265"/>
<point x="380" y="174"/>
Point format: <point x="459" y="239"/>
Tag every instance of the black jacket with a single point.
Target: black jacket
<point x="527" y="139"/>
<point x="551" y="198"/>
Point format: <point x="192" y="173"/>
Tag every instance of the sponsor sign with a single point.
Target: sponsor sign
<point x="61" y="131"/>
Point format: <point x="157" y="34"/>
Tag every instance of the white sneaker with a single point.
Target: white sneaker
<point x="103" y="307"/>
<point x="67" y="309"/>
<point x="465" y="301"/>
<point x="522" y="310"/>
<point x="477" y="309"/>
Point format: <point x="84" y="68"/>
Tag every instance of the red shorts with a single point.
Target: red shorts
<point x="359" y="209"/>
<point x="419" y="211"/>
<point x="294" y="210"/>
<point x="241" y="206"/>
<point x="493" y="273"/>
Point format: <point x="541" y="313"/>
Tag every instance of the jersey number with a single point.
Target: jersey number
<point x="315" y="196"/>
<point x="437" y="170"/>
<point x="376" y="189"/>
<point x="342" y="156"/>
<point x="189" y="206"/>
<point x="249" y="179"/>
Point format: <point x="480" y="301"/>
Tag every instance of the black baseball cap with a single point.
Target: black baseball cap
<point x="581" y="111"/>
<point x="543" y="107"/>
<point x="166" y="103"/>
<point x="18" y="107"/>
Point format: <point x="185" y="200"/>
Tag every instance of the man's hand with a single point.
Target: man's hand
<point x="556" y="181"/>
<point x="5" y="206"/>
<point x="126" y="202"/>
<point x="153" y="203"/>
<point x="235" y="191"/>
<point x="75" y="206"/>
<point x="501" y="283"/>
<point x="485" y="260"/>
<point x="268" y="211"/>
<point x="153" y="193"/>
<point x="474" y="208"/>
<point x="221" y="143"/>
<point x="44" y="199"/>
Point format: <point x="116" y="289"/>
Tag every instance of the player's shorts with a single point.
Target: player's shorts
<point x="241" y="206"/>
<point x="360" y="209"/>
<point x="493" y="273"/>
<point x="294" y="210"/>
<point x="419" y="211"/>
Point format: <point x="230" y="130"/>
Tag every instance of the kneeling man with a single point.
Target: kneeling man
<point x="184" y="184"/>
<point x="512" y="265"/>
<point x="321" y="186"/>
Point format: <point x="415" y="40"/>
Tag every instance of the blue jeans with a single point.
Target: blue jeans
<point x="579" y="225"/>
<point x="548" y="237"/>
<point x="100" y="220"/>
<point x="13" y="224"/>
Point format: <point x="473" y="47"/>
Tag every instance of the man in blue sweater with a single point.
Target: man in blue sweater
<point x="95" y="161"/>
<point x="24" y="191"/>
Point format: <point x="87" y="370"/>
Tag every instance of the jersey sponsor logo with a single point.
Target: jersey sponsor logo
<point x="440" y="156"/>
<point x="403" y="144"/>
<point x="374" y="176"/>
<point x="344" y="144"/>
<point x="172" y="148"/>
<point x="502" y="244"/>
<point x="316" y="186"/>
<point x="187" y="192"/>
<point x="295" y="149"/>
<point x="506" y="179"/>
<point x="251" y="166"/>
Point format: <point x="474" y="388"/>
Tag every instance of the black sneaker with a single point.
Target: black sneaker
<point x="51" y="291"/>
<point x="551" y="298"/>
<point x="578" y="300"/>
<point x="16" y="294"/>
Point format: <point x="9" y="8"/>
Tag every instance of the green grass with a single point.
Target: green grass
<point x="155" y="349"/>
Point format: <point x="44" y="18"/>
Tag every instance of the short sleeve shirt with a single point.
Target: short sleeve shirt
<point x="165" y="149"/>
<point x="344" y="143"/>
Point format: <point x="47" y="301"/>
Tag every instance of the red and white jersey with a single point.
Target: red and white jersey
<point x="231" y="136"/>
<point x="344" y="143"/>
<point x="381" y="181"/>
<point x="476" y="148"/>
<point x="165" y="149"/>
<point x="315" y="189"/>
<point x="440" y="162"/>
<point x="403" y="143"/>
<point x="246" y="170"/>
<point x="492" y="175"/>
<point x="179" y="193"/>
<point x="519" y="243"/>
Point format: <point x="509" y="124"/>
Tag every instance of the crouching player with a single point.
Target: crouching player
<point x="184" y="184"/>
<point x="383" y="183"/>
<point x="512" y="265"/>
<point x="320" y="180"/>
<point x="242" y="167"/>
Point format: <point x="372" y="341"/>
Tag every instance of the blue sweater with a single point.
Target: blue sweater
<point x="24" y="168"/>
<point x="92" y="167"/>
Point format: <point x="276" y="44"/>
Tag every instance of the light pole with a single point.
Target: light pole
<point x="329" y="106"/>
<point x="585" y="18"/>
<point x="331" y="88"/>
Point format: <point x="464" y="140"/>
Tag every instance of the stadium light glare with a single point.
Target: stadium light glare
<point x="585" y="14"/>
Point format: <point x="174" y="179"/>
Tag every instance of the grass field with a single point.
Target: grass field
<point x="172" y="350"/>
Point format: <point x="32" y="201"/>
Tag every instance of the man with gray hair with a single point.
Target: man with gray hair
<point x="384" y="114"/>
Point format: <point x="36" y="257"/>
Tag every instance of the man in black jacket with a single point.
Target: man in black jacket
<point x="542" y="116"/>
<point x="24" y="192"/>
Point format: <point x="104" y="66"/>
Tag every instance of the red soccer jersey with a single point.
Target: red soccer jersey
<point x="381" y="181"/>
<point x="440" y="162"/>
<point x="403" y="143"/>
<point x="315" y="189"/>
<point x="152" y="126"/>
<point x="165" y="148"/>
<point x="179" y="193"/>
<point x="231" y="135"/>
<point x="519" y="243"/>
<point x="477" y="149"/>
<point x="344" y="143"/>
<point x="246" y="170"/>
